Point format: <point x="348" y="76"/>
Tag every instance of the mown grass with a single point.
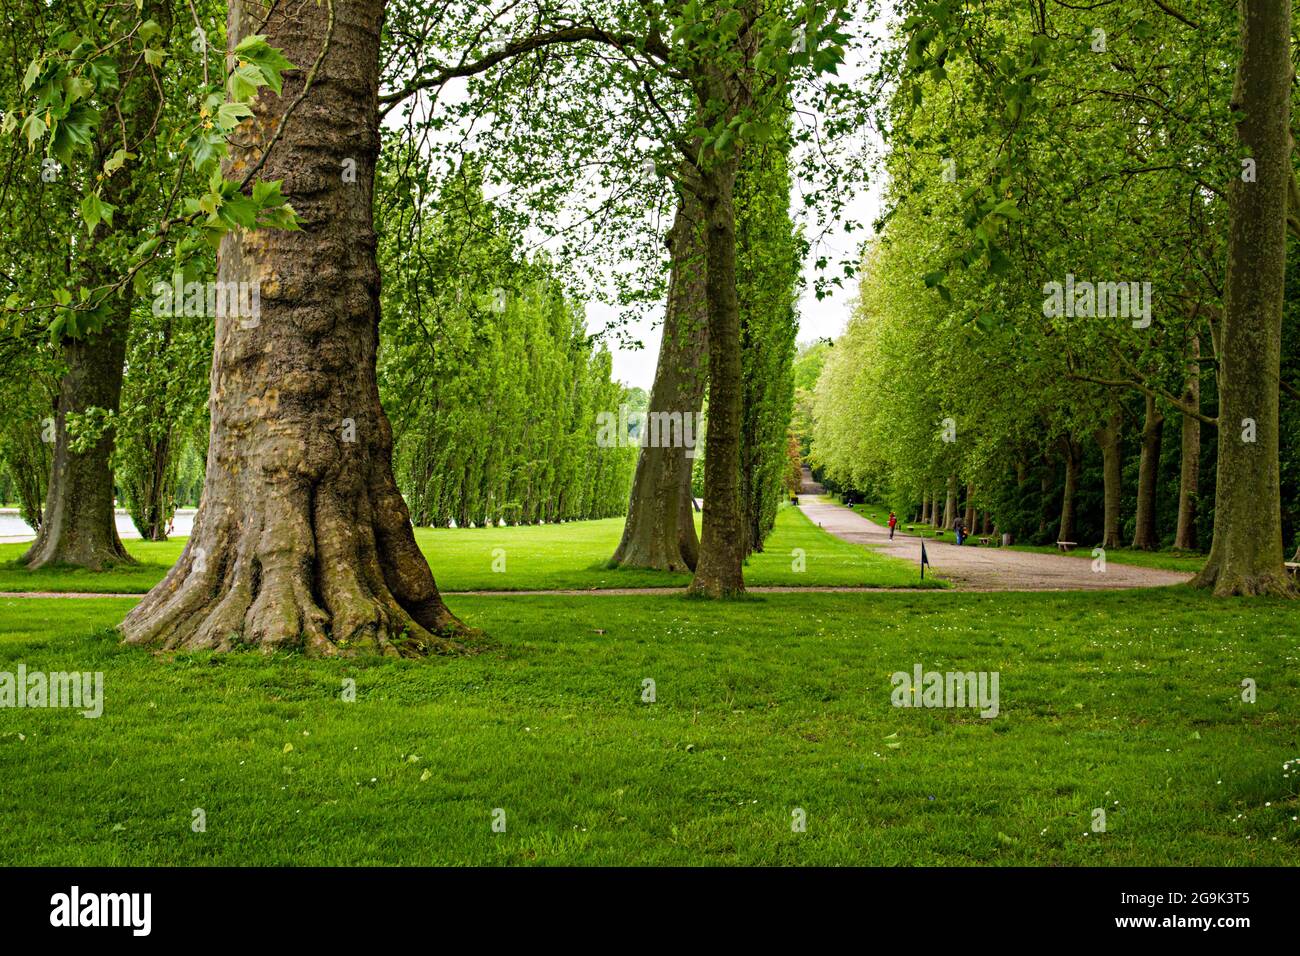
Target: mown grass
<point x="574" y="555"/>
<point x="1125" y="700"/>
<point x="1172" y="560"/>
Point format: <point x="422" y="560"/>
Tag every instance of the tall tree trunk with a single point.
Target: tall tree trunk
<point x="936" y="511"/>
<point x="1144" y="534"/>
<point x="1044" y="496"/>
<point x="79" y="527"/>
<point x="1190" y="469"/>
<point x="1109" y="439"/>
<point x="719" y="571"/>
<point x="1073" y="455"/>
<point x="660" y="527"/>
<point x="1246" y="556"/>
<point x="302" y="539"/>
<point x="950" y="504"/>
<point x="925" y="507"/>
<point x="970" y="508"/>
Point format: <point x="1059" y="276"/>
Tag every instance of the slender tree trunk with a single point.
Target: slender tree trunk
<point x="1073" y="458"/>
<point x="1190" y="470"/>
<point x="719" y="571"/>
<point x="1246" y="556"/>
<point x="1044" y="496"/>
<point x="1108" y="437"/>
<point x="660" y="527"/>
<point x="936" y="511"/>
<point x="79" y="527"/>
<point x="970" y="508"/>
<point x="302" y="539"/>
<point x="925" y="507"/>
<point x="1145" y="537"/>
<point x="950" y="504"/>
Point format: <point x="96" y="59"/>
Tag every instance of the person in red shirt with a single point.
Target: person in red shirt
<point x="893" y="521"/>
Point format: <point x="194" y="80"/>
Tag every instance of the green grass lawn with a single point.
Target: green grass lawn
<point x="1187" y="561"/>
<point x="1128" y="701"/>
<point x="536" y="557"/>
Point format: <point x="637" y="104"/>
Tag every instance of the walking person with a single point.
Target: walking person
<point x="959" y="529"/>
<point x="893" y="523"/>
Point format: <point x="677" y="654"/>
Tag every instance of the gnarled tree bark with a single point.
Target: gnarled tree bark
<point x="302" y="539"/>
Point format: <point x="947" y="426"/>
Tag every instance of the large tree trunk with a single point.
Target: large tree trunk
<point x="970" y="508"/>
<point x="79" y="527"/>
<point x="1109" y="438"/>
<point x="1246" y="556"/>
<point x="925" y="507"/>
<point x="950" y="504"/>
<point x="1073" y="455"/>
<point x="302" y="539"/>
<point x="660" y="527"/>
<point x="1190" y="468"/>
<point x="1144" y="534"/>
<point x="719" y="571"/>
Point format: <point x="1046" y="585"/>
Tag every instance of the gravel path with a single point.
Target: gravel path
<point x="967" y="568"/>
<point x="973" y="568"/>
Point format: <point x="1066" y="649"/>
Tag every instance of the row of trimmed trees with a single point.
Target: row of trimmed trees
<point x="1081" y="276"/>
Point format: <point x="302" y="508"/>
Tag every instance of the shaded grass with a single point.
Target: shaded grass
<point x="573" y="555"/>
<point x="1127" y="700"/>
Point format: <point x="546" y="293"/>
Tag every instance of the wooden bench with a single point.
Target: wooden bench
<point x="1294" y="568"/>
<point x="1067" y="545"/>
<point x="985" y="540"/>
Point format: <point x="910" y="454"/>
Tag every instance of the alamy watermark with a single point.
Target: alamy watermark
<point x="81" y="691"/>
<point x="1100" y="300"/>
<point x="923" y="688"/>
<point x="629" y="429"/>
<point x="239" y="300"/>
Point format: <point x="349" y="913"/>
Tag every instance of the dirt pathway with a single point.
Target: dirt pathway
<point x="972" y="568"/>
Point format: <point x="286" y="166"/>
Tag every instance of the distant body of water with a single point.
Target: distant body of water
<point x="14" y="528"/>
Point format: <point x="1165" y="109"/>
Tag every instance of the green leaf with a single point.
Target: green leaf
<point x="244" y="82"/>
<point x="33" y="71"/>
<point x="33" y="129"/>
<point x="94" y="211"/>
<point x="229" y="115"/>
